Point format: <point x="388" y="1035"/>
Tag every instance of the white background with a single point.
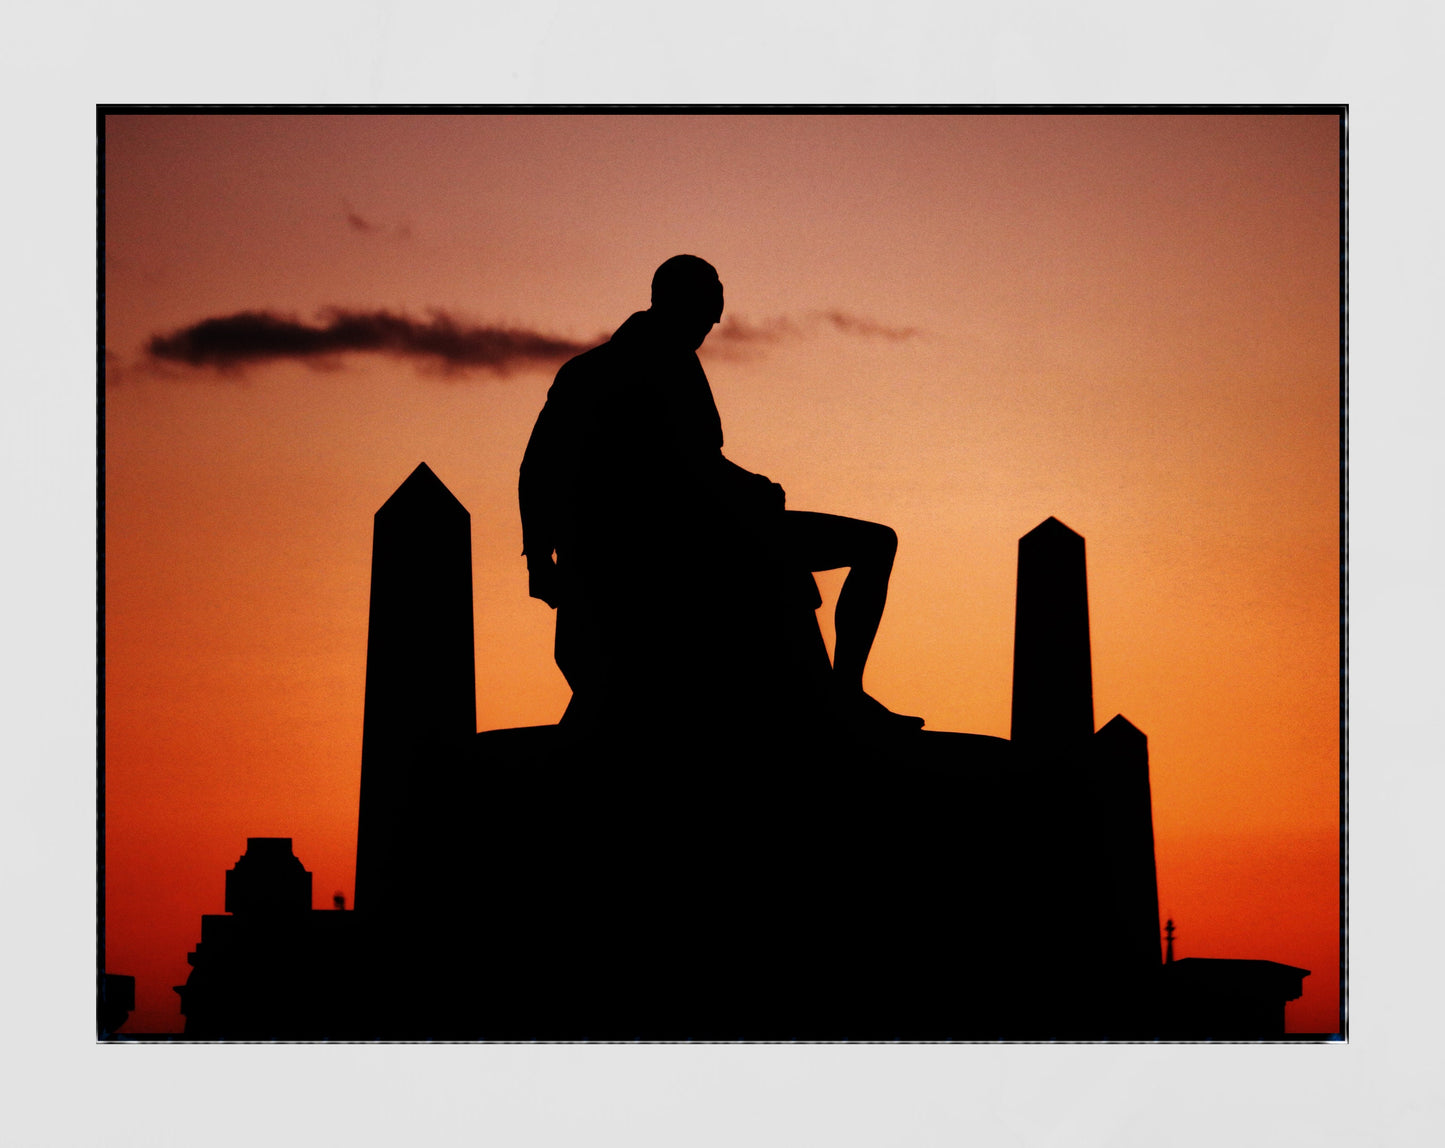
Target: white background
<point x="61" y="1088"/>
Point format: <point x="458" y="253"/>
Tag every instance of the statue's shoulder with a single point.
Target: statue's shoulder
<point x="580" y="373"/>
<point x="598" y="358"/>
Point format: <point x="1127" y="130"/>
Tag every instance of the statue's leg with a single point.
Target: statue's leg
<point x="867" y="549"/>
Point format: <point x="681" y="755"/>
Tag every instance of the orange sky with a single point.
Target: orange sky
<point x="1129" y="322"/>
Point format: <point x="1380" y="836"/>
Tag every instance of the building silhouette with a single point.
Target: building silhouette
<point x="270" y="967"/>
<point x="724" y="880"/>
<point x="115" y="1001"/>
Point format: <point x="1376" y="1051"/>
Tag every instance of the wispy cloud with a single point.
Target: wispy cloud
<point x="247" y="338"/>
<point x="365" y="226"/>
<point x="255" y="337"/>
<point x="855" y="325"/>
<point x="736" y="330"/>
<point x="738" y="333"/>
<point x="359" y="223"/>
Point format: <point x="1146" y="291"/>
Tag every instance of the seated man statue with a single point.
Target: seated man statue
<point x="671" y="565"/>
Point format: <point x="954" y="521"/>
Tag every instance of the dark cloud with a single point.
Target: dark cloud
<point x="249" y="337"/>
<point x="229" y="342"/>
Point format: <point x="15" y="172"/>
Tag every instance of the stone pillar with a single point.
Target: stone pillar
<point x="1125" y="820"/>
<point x="421" y="709"/>
<point x="1053" y="688"/>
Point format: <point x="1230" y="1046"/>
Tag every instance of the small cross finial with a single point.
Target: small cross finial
<point x="1169" y="941"/>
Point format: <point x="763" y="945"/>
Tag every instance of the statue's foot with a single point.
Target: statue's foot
<point x="867" y="714"/>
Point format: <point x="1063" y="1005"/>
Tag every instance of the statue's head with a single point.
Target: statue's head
<point x="687" y="297"/>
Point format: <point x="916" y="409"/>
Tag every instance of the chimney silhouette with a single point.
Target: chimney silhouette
<point x="421" y="706"/>
<point x="1053" y="687"/>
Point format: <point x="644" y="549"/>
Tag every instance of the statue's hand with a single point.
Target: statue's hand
<point x="770" y="494"/>
<point x="542" y="580"/>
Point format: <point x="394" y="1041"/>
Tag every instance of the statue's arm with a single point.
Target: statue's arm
<point x="538" y="494"/>
<point x="748" y="492"/>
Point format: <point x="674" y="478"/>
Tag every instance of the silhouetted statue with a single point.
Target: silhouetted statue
<point x="680" y="579"/>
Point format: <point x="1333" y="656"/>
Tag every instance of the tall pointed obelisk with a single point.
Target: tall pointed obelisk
<point x="1053" y="686"/>
<point x="1093" y="814"/>
<point x="421" y="708"/>
<point x="1124" y="821"/>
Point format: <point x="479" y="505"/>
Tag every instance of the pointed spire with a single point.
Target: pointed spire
<point x="1169" y="941"/>
<point x="1053" y="690"/>
<point x="420" y="679"/>
<point x="422" y="488"/>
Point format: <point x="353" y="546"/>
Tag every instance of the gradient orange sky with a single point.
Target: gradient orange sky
<point x="1128" y="322"/>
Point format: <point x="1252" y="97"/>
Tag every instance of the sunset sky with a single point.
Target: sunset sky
<point x="956" y="325"/>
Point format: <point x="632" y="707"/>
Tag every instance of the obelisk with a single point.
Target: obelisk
<point x="1124" y="822"/>
<point x="421" y="708"/>
<point x="1053" y="686"/>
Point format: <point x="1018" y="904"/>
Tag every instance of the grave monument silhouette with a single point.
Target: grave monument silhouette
<point x="733" y="876"/>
